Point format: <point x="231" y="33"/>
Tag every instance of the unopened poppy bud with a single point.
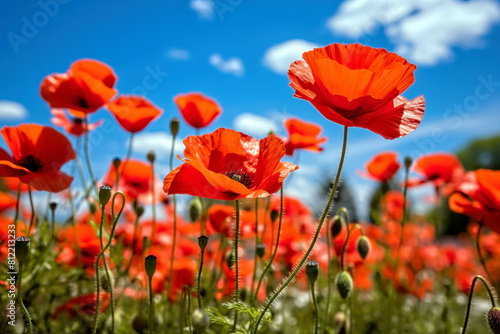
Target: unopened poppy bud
<point x="104" y="195"/>
<point x="344" y="284"/>
<point x="150" y="265"/>
<point x="337" y="225"/>
<point x="174" y="126"/>
<point x="105" y="284"/>
<point x="139" y="323"/>
<point x="312" y="271"/>
<point x="53" y="206"/>
<point x="92" y="208"/>
<point x="230" y="260"/>
<point x="139" y="210"/>
<point x="494" y="320"/>
<point x="274" y="215"/>
<point x="195" y="208"/>
<point x="203" y="242"/>
<point x="151" y="156"/>
<point x="261" y="250"/>
<point x="363" y="246"/>
<point x="22" y="248"/>
<point x="201" y="322"/>
<point x="116" y="163"/>
<point x="408" y="162"/>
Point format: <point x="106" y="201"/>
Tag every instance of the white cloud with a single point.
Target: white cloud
<point x="254" y="125"/>
<point x="279" y="57"/>
<point x="424" y="31"/>
<point x="204" y="8"/>
<point x="159" y="142"/>
<point x="10" y="110"/>
<point x="232" y="66"/>
<point x="178" y="54"/>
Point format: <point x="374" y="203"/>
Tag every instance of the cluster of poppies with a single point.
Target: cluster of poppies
<point x="239" y="240"/>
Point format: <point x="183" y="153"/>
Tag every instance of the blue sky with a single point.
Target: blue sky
<point x="237" y="51"/>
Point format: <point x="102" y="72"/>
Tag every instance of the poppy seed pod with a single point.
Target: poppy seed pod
<point x="201" y="322"/>
<point x="53" y="206"/>
<point x="151" y="156"/>
<point x="344" y="284"/>
<point x="363" y="246"/>
<point x="408" y="162"/>
<point x="337" y="226"/>
<point x="261" y="250"/>
<point x="139" y="210"/>
<point x="104" y="195"/>
<point x="150" y="265"/>
<point x="274" y="215"/>
<point x="116" y="163"/>
<point x="174" y="126"/>
<point x="195" y="209"/>
<point x="22" y="248"/>
<point x="202" y="242"/>
<point x="312" y="271"/>
<point x="494" y="320"/>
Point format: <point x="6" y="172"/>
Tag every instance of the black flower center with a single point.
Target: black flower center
<point x="82" y="102"/>
<point x="77" y="121"/>
<point x="241" y="177"/>
<point x="31" y="163"/>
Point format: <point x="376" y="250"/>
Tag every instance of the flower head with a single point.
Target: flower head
<point x="382" y="167"/>
<point x="133" y="113"/>
<point x="302" y="135"/>
<point x="74" y="126"/>
<point x="197" y="109"/>
<point x="229" y="165"/>
<point x="358" y="86"/>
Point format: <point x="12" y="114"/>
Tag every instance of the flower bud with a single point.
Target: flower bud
<point x="53" y="206"/>
<point x="261" y="250"/>
<point x="195" y="209"/>
<point x="22" y="250"/>
<point x="116" y="163"/>
<point x="202" y="242"/>
<point x="105" y="284"/>
<point x="201" y="322"/>
<point x="174" y="126"/>
<point x="274" y="215"/>
<point x="230" y="260"/>
<point x="494" y="320"/>
<point x="363" y="246"/>
<point x="139" y="210"/>
<point x="151" y="156"/>
<point x="92" y="208"/>
<point x="344" y="284"/>
<point x="312" y="271"/>
<point x="104" y="195"/>
<point x="337" y="225"/>
<point x="408" y="162"/>
<point x="150" y="265"/>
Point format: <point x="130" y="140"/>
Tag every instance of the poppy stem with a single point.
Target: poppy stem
<point x="237" y="278"/>
<point x="20" y="298"/>
<point x="316" y="313"/>
<point x="198" y="280"/>
<point x="16" y="216"/>
<point x="151" y="311"/>
<point x="481" y="258"/>
<point x="329" y="274"/>
<point x="346" y="215"/>
<point x="32" y="219"/>
<point x="106" y="271"/>
<point x="127" y="156"/>
<point x="469" y="302"/>
<point x="87" y="156"/>
<point x="299" y="266"/>
<point x="271" y="259"/>
<point x="256" y="244"/>
<point x="153" y="198"/>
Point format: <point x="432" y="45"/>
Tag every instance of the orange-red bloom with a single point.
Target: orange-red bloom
<point x="75" y="126"/>
<point x="197" y="109"/>
<point x="382" y="167"/>
<point x="135" y="178"/>
<point x="358" y="86"/>
<point x="438" y="168"/>
<point x="38" y="152"/>
<point x="229" y="165"/>
<point x="133" y="113"/>
<point x="302" y="135"/>
<point x="86" y="87"/>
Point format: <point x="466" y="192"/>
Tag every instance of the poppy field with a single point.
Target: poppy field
<point x="241" y="255"/>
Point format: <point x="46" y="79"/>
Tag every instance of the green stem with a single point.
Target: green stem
<point x="53" y="228"/>
<point x="127" y="157"/>
<point x="481" y="258"/>
<point x="87" y="156"/>
<point x="151" y="312"/>
<point x="199" y="277"/>
<point x="153" y="195"/>
<point x="329" y="275"/>
<point x="256" y="244"/>
<point x="403" y="221"/>
<point x="16" y="217"/>
<point x="316" y="314"/>
<point x="20" y="298"/>
<point x="32" y="219"/>
<point x="469" y="302"/>
<point x="315" y="237"/>
<point x="108" y="276"/>
<point x="237" y="277"/>
<point x="134" y="243"/>
<point x="273" y="255"/>
<point x="342" y="259"/>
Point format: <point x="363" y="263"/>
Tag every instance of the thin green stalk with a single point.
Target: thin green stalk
<point x="151" y="305"/>
<point x="87" y="155"/>
<point x="153" y="232"/>
<point x="316" y="314"/>
<point x="129" y="153"/>
<point x="403" y="220"/>
<point x="32" y="219"/>
<point x="315" y="237"/>
<point x="16" y="216"/>
<point x="20" y="298"/>
<point x="237" y="277"/>
<point x="77" y="244"/>
<point x="273" y="255"/>
<point x="329" y="275"/>
<point x="134" y="244"/>
<point x="256" y="244"/>
<point x="469" y="302"/>
<point x="198" y="280"/>
<point x="481" y="258"/>
<point x="342" y="259"/>
<point x="108" y="276"/>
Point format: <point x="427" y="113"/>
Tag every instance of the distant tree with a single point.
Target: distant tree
<point x="481" y="153"/>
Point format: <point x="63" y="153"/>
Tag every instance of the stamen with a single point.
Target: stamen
<point x="241" y="177"/>
<point x="31" y="163"/>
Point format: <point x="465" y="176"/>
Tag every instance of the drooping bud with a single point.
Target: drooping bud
<point x="174" y="126"/>
<point x="202" y="242"/>
<point x="105" y="284"/>
<point x="312" y="271"/>
<point x="151" y="156"/>
<point x="494" y="320"/>
<point x="150" y="265"/>
<point x="363" y="245"/>
<point x="104" y="195"/>
<point x="261" y="250"/>
<point x="344" y="284"/>
<point x="408" y="162"/>
<point x="53" y="206"/>
<point x="337" y="226"/>
<point x="201" y="322"/>
<point x="22" y="250"/>
<point x="274" y="215"/>
<point x="195" y="209"/>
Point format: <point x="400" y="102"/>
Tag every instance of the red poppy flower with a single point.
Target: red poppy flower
<point x="135" y="178"/>
<point x="382" y="167"/>
<point x="358" y="86"/>
<point x="302" y="135"/>
<point x="229" y="165"/>
<point x="197" y="110"/>
<point x="86" y="87"/>
<point x="38" y="154"/>
<point x="82" y="306"/>
<point x="439" y="168"/>
<point x="480" y="198"/>
<point x="133" y="113"/>
<point x="74" y="126"/>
